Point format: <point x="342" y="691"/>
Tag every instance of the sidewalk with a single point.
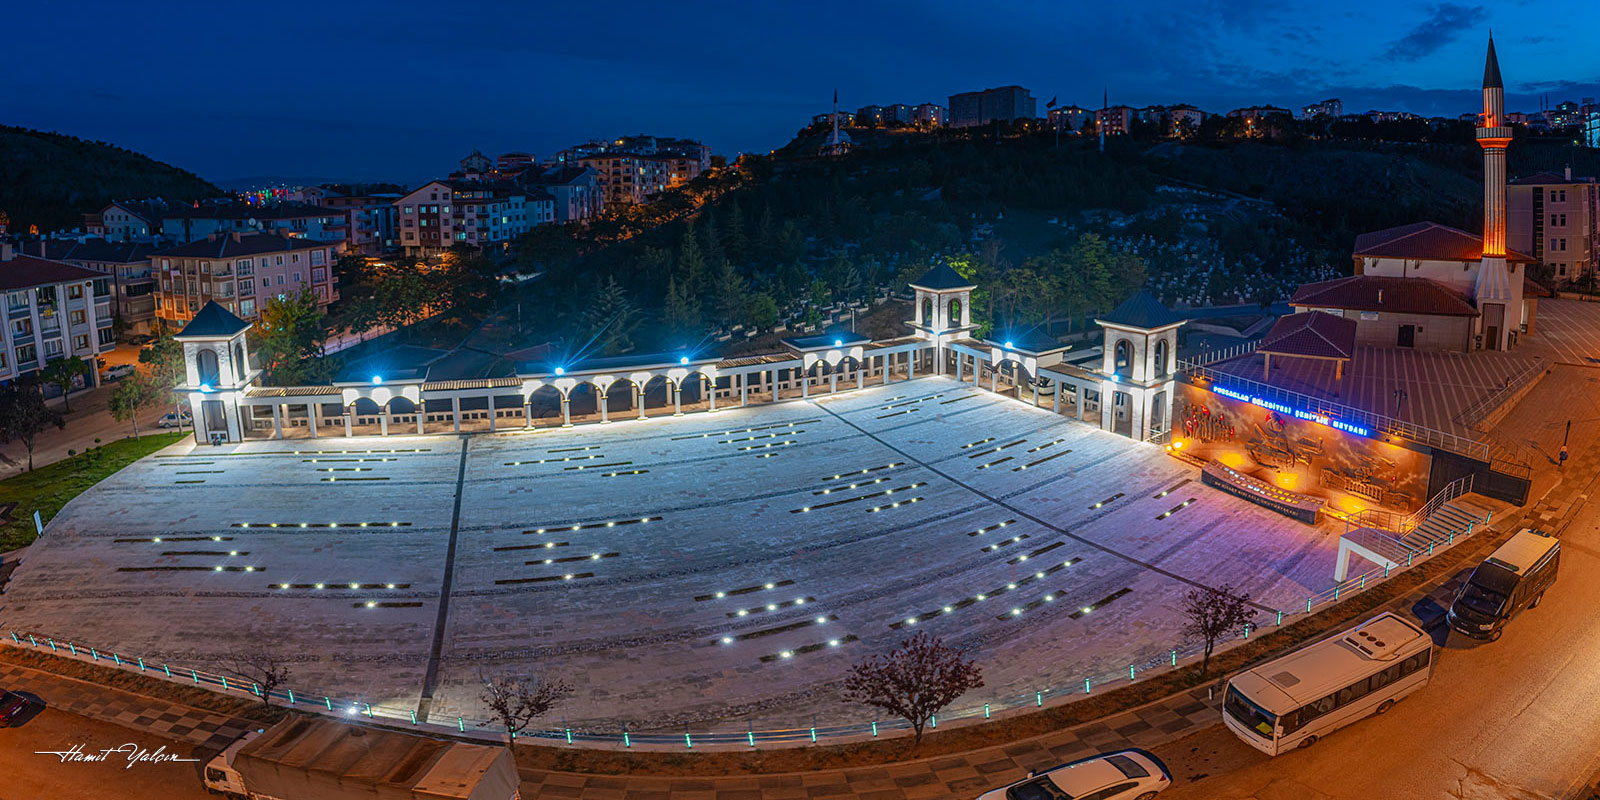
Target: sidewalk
<point x="159" y="717"/>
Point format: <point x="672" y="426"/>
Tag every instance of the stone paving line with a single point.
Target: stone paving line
<point x="953" y="775"/>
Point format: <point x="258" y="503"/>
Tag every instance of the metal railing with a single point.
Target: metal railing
<point x="1477" y="411"/>
<point x="1402" y="525"/>
<point x="1226" y="353"/>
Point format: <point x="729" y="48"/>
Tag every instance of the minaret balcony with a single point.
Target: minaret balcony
<point x="1494" y="133"/>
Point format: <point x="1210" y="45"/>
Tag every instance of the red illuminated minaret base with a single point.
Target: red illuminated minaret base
<point x="1494" y="285"/>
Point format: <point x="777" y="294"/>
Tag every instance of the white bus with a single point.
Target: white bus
<point x="1294" y="700"/>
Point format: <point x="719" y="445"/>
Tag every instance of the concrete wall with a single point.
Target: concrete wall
<point x="1433" y="332"/>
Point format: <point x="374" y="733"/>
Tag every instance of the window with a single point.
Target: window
<point x="266" y="281"/>
<point x="318" y="257"/>
<point x="166" y="263"/>
<point x="1558" y="220"/>
<point x="107" y="336"/>
<point x="52" y="348"/>
<point x="280" y="261"/>
<point x="26" y="353"/>
<point x="2" y="359"/>
<point x="297" y="276"/>
<point x="280" y="279"/>
<point x="408" y="211"/>
<point x="205" y="268"/>
<point x="80" y="342"/>
<point x="75" y="292"/>
<point x="319" y="274"/>
<point x="22" y="327"/>
<point x="17" y="299"/>
<point x="247" y="307"/>
<point x="294" y="258"/>
<point x="77" y="318"/>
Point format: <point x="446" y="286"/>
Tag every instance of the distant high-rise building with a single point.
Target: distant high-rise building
<point x="1070" y="118"/>
<point x="898" y="113"/>
<point x="870" y="116"/>
<point x="1333" y="107"/>
<point x="1002" y="104"/>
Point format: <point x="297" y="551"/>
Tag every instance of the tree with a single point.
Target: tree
<point x="24" y="415"/>
<point x="289" y="340"/>
<point x="518" y="701"/>
<point x="264" y="669"/>
<point x="913" y="681"/>
<point x="763" y="312"/>
<point x="133" y="395"/>
<point x="691" y="265"/>
<point x="1214" y="613"/>
<point x="62" y="372"/>
<point x="731" y="295"/>
<point x="681" y="310"/>
<point x="734" y="239"/>
<point x="611" y="319"/>
<point x="164" y="360"/>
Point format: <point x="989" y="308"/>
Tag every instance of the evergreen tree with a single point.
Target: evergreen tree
<point x="766" y="237"/>
<point x="691" y="265"/>
<point x="763" y="312"/>
<point x="712" y="252"/>
<point x="681" y="310"/>
<point x="731" y="296"/>
<point x="734" y="236"/>
<point x="611" y="319"/>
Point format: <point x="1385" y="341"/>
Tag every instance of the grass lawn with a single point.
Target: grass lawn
<point x="48" y="488"/>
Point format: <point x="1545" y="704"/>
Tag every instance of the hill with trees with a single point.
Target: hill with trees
<point x="51" y="179"/>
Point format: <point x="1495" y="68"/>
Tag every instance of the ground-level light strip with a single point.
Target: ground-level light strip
<point x="982" y="596"/>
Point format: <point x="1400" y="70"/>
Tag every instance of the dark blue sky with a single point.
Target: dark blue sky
<point x="401" y="89"/>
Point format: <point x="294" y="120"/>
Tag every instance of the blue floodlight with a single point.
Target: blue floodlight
<point x="1008" y="345"/>
<point x="838" y="343"/>
<point x="684" y="360"/>
<point x="561" y="370"/>
<point x="377" y="379"/>
<point x="205" y="387"/>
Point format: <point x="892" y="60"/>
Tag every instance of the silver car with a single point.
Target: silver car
<point x="1122" y="775"/>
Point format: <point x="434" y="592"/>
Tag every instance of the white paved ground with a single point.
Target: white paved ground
<point x="639" y="630"/>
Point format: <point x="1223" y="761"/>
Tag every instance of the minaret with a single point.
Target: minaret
<point x="1494" y="285"/>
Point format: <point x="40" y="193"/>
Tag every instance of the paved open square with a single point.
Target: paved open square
<point x="714" y="570"/>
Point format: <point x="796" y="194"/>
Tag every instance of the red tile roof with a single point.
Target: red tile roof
<point x="1384" y="293"/>
<point x="1427" y="241"/>
<point x="1314" y="333"/>
<point x="23" y="272"/>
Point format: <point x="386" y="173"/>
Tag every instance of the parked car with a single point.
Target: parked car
<point x="172" y="420"/>
<point x="11" y="704"/>
<point x="1122" y="775"/>
<point x="118" y="372"/>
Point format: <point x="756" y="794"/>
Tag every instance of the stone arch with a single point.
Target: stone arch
<point x="1122" y="357"/>
<point x="954" y="309"/>
<point x="927" y="313"/>
<point x="365" y="407"/>
<point x="210" y="372"/>
<point x="1161" y="360"/>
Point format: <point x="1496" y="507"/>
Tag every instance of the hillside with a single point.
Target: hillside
<point x="51" y="180"/>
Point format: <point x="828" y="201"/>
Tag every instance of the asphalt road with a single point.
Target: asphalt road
<point x="27" y="775"/>
<point x="1511" y="720"/>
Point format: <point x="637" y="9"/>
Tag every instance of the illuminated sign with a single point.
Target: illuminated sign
<point x="1321" y="419"/>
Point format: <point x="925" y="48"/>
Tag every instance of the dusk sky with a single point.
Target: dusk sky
<point x="401" y="89"/>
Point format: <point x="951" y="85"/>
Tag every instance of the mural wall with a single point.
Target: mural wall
<point x="1352" y="472"/>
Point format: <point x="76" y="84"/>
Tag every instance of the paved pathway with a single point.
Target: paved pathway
<point x="158" y="717"/>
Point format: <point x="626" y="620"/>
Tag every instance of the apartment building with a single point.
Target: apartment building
<point x="930" y="115"/>
<point x="241" y="272"/>
<point x="1555" y="219"/>
<point x="1002" y="104"/>
<point x="370" y="221"/>
<point x="574" y="191"/>
<point x="317" y="223"/>
<point x="1069" y="118"/>
<point x="126" y="221"/>
<point x="132" y="288"/>
<point x="1332" y="108"/>
<point x="52" y="310"/>
<point x="633" y="168"/>
<point x="441" y="214"/>
<point x="1116" y="120"/>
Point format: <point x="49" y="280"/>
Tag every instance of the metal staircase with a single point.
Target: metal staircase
<point x="1440" y="527"/>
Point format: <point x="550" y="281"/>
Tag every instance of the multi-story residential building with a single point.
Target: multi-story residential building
<point x="1333" y="108"/>
<point x="370" y="220"/>
<point x="1069" y="118"/>
<point x="574" y="191"/>
<point x="1591" y="129"/>
<point x="514" y="161"/>
<point x="132" y="289"/>
<point x="871" y="116"/>
<point x="241" y="272"/>
<point x="52" y="310"/>
<point x="318" y="223"/>
<point x="899" y="113"/>
<point x="441" y="214"/>
<point x="1555" y="219"/>
<point x="633" y="168"/>
<point x="1183" y="118"/>
<point x="1001" y="104"/>
<point x="846" y="119"/>
<point x="930" y="115"/>
<point x="127" y="221"/>
<point x="1115" y="120"/>
<point x="476" y="161"/>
